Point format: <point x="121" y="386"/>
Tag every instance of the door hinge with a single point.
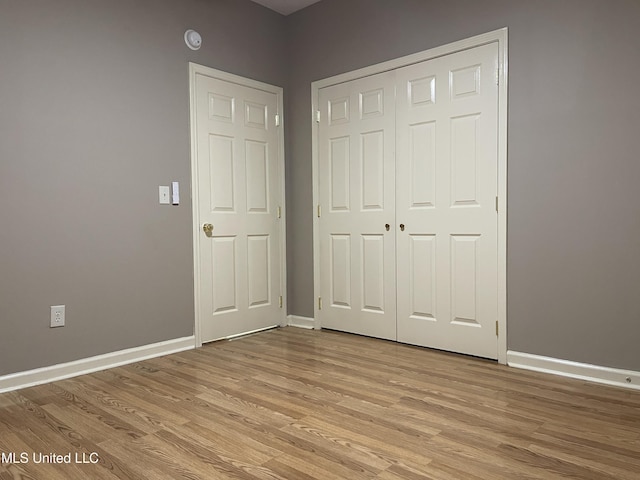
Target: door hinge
<point x="279" y="212"/>
<point x="319" y="211"/>
<point x="319" y="303"/>
<point x="277" y="120"/>
<point x="317" y="116"/>
<point x="497" y="329"/>
<point x="280" y="301"/>
<point x="496" y="204"/>
<point x="498" y="76"/>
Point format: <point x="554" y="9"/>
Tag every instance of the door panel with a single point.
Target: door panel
<point x="447" y="130"/>
<point x="422" y="276"/>
<point x="464" y="279"/>
<point x="257" y="178"/>
<point x="258" y="271"/>
<point x="372" y="175"/>
<point x="339" y="177"/>
<point x="238" y="193"/>
<point x="357" y="183"/>
<point x="464" y="151"/>
<point x="340" y="274"/>
<point x="221" y="174"/>
<point x="224" y="274"/>
<point x="373" y="281"/>
<point x="422" y="164"/>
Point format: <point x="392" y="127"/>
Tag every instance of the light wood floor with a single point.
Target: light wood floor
<point x="297" y="405"/>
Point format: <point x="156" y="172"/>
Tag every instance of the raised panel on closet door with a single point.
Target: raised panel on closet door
<point x="357" y="196"/>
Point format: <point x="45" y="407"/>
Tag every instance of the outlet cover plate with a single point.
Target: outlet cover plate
<point x="57" y="316"/>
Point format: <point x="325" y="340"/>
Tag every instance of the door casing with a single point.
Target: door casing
<point x="195" y="69"/>
<point x="501" y="37"/>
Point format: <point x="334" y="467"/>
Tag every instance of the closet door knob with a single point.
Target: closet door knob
<point x="402" y="227"/>
<point x="387" y="226"/>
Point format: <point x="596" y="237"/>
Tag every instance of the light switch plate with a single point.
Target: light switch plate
<point x="163" y="192"/>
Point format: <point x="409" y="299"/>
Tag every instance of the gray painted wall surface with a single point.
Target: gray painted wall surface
<point x="574" y="117"/>
<point x="94" y="115"/>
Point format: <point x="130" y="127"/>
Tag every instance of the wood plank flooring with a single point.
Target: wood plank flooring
<point x="299" y="405"/>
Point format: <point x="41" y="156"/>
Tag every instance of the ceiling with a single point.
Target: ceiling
<point x="285" y="7"/>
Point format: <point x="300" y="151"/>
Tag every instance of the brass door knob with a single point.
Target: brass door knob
<point x="387" y="226"/>
<point x="207" y="228"/>
<point x="402" y="227"/>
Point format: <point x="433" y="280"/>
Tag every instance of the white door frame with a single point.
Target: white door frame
<point x="500" y="36"/>
<point x="195" y="69"/>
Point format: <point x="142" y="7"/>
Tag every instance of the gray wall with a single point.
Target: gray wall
<point x="574" y="118"/>
<point x="94" y="115"/>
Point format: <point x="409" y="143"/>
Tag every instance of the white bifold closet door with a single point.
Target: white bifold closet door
<point x="447" y="174"/>
<point x="428" y="168"/>
<point x="357" y="188"/>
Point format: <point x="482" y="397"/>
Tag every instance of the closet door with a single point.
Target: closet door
<point x="357" y="200"/>
<point x="447" y="120"/>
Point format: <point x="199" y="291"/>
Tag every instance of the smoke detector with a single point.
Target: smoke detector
<point x="192" y="39"/>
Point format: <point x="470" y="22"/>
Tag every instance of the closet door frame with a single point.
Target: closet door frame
<point x="497" y="36"/>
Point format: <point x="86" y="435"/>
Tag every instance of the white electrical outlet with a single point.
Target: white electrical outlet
<point x="57" y="316"/>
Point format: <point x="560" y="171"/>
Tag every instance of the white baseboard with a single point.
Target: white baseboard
<point x="582" y="371"/>
<point x="301" y="322"/>
<point x="83" y="366"/>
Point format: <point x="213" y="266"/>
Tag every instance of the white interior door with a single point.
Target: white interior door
<point x="447" y="173"/>
<point x="356" y="184"/>
<point x="239" y="196"/>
